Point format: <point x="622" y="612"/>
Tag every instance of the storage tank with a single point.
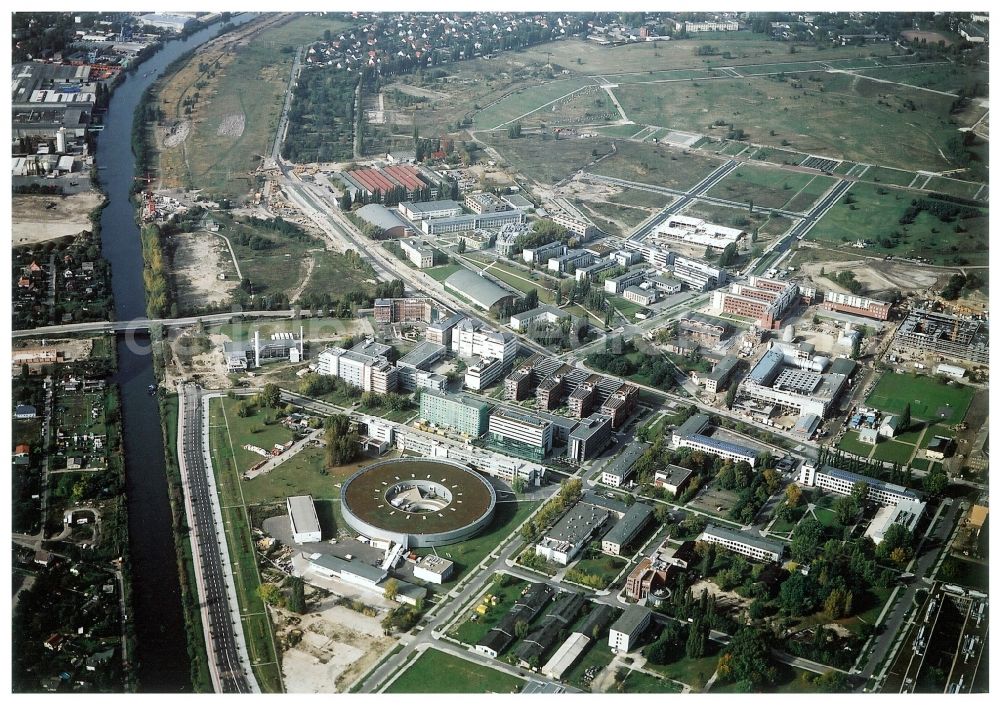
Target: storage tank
<point x="819" y="364"/>
<point x="788" y="334"/>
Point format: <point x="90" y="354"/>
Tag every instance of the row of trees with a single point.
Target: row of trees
<point x="569" y="493"/>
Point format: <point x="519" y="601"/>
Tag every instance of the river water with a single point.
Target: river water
<point x="161" y="651"/>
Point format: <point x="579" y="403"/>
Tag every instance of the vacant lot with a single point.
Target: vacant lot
<point x="772" y="187"/>
<point x="929" y="399"/>
<point x="835" y="115"/>
<point x="657" y="164"/>
<point x="439" y="672"/>
<point x="523" y="103"/>
<point x="544" y="159"/>
<point x="199" y="259"/>
<point x="871" y="212"/>
<point x="36" y="218"/>
<point x="943" y="76"/>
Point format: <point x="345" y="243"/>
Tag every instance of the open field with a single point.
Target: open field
<point x="835" y="115"/>
<point x="527" y="100"/>
<point x="548" y="160"/>
<point x="199" y="259"/>
<point x="874" y="216"/>
<point x="32" y="221"/>
<point x="772" y="187"/>
<point x="929" y="399"/>
<point x="439" y="672"/>
<point x="941" y="76"/>
<point x="657" y="164"/>
<point x="237" y="84"/>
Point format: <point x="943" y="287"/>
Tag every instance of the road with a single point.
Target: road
<point x="229" y="664"/>
<point x="144" y="323"/>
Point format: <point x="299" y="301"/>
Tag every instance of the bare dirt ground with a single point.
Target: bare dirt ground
<point x="175" y="135"/>
<point x="32" y="222"/>
<point x="337" y="647"/>
<point x="208" y="366"/>
<point x="198" y="260"/>
<point x="72" y="349"/>
<point x="233" y="125"/>
<point x="722" y="598"/>
<point x="884" y="276"/>
<point x="931" y="37"/>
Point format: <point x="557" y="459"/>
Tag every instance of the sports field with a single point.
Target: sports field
<point x="874" y="216"/>
<point x="929" y="399"/>
<point x="439" y="672"/>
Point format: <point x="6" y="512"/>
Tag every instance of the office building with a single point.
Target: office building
<point x="618" y="284"/>
<point x="365" y="365"/>
<point x="627" y="529"/>
<point x="570" y="261"/>
<point x="673" y="479"/>
<point x="561" y="543"/>
<point x="420" y="359"/>
<point x="463" y="414"/>
<point x="353" y="571"/>
<point x="433" y="569"/>
<point x="589" y="438"/>
<point x="720" y="375"/>
<point x="419" y="252"/>
<point x="579" y="228"/>
<point x="640" y="296"/>
<point x="483" y="372"/>
<point x="519" y="433"/>
<point x="389" y="310"/>
<point x="582" y="399"/>
<point x="626" y="631"/>
<point x="856" y="305"/>
<point x="303" y="518"/>
<point x="591" y="271"/>
<point x="542" y="313"/>
<point x="842" y="482"/>
<point x="746" y="544"/>
<point x="691" y="434"/>
<point x="788" y="377"/>
<point x="619" y="471"/>
<point x="687" y="229"/>
<point x="763" y="299"/>
<point x="485" y="203"/>
<point x="472" y="338"/>
<point x="542" y="254"/>
<point x="472" y="222"/>
<point x="418" y="211"/>
<point x="698" y="275"/>
<point x="906" y="513"/>
<point x="620" y="404"/>
<point x="440" y="332"/>
<point x="549" y="393"/>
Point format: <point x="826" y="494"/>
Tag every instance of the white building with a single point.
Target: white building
<point x="305" y="522"/>
<point x="351" y="571"/>
<point x="619" y="283"/>
<point x="629" y="627"/>
<point x="905" y="513"/>
<point x="419" y="252"/>
<point x="542" y="313"/>
<point x="746" y="544"/>
<point x="433" y="569"/>
<point x="562" y="543"/>
<point x="640" y="296"/>
<point x="471" y="338"/>
<point x="842" y="482"/>
<point x="520" y="432"/>
<point x="483" y="372"/>
<point x="698" y="275"/>
<point x="417" y="211"/>
<point x="364" y="366"/>
<point x="580" y="228"/>
<point x="687" y="229"/>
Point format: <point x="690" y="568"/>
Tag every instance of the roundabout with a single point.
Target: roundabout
<point x="417" y="501"/>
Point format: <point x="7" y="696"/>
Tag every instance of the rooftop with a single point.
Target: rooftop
<point x="629" y="525"/>
<point x="631" y="620"/>
<point x="749" y="539"/>
<point x="354" y="566"/>
<point x="476" y="288"/>
<point x="693" y="425"/>
<point x="622" y="465"/>
<point x="576" y="524"/>
<point x="303" y="511"/>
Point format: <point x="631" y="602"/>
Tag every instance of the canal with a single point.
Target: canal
<point x="162" y="663"/>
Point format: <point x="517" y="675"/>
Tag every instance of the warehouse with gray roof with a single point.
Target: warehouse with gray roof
<point x="477" y="289"/>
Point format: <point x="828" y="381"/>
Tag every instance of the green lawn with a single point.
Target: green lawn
<point x="893" y="451"/>
<point x="933" y="430"/>
<point x="439" y="672"/>
<point x="929" y="399"/>
<point x="626" y="307"/>
<point x="693" y="672"/>
<point x="441" y="273"/>
<point x="641" y="682"/>
<point x="527" y="100"/>
<point x="874" y="216"/>
<point x="888" y="175"/>
<point x="604" y="566"/>
<point x="251" y="430"/>
<point x="598" y="654"/>
<point x="826" y="516"/>
<point x="468" y="554"/>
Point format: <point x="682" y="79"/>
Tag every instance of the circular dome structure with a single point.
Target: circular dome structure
<point x="418" y="501"/>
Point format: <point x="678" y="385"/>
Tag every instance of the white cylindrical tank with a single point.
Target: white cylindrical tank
<point x="61" y="141"/>
<point x="819" y="364"/>
<point x="788" y="334"/>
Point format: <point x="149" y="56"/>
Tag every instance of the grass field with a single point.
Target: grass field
<point x="929" y="399"/>
<point x="441" y="273"/>
<point x="893" y="451"/>
<point x="771" y="187"/>
<point x="888" y="175"/>
<point x="874" y="216"/>
<point x="256" y="625"/>
<point x="439" y="672"/>
<point x="656" y="164"/>
<point x="527" y="100"/>
<point x="471" y="631"/>
<point x="641" y="198"/>
<point x="641" y="682"/>
<point x="850" y="443"/>
<point x="544" y="159"/>
<point x="834" y="115"/>
<point x="693" y="672"/>
<point x="944" y="76"/>
<point x="603" y="566"/>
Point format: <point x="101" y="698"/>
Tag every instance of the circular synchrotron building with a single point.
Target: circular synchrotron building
<point x="418" y="501"/>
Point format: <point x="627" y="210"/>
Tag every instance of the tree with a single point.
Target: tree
<point x="391" y="589"/>
<point x="270" y="594"/>
<point x="806" y="541"/>
<point x="846" y="509"/>
<point x="270" y="396"/>
<point x="518" y="486"/>
<point x="730" y="397"/>
<point x="838" y="603"/>
<point x="904" y="418"/>
<point x="521" y="629"/>
<point x="461" y="246"/>
<point x="528" y="531"/>
<point x="793" y="495"/>
<point x="748" y="660"/>
<point x="297" y="596"/>
<point x="697" y="639"/>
